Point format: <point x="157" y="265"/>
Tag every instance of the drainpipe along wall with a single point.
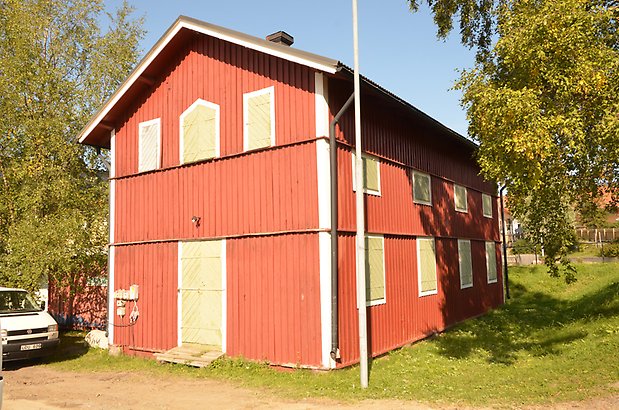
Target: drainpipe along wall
<point x="335" y="349"/>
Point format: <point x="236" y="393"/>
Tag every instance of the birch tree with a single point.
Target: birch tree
<point x="543" y="103"/>
<point x="58" y="63"/>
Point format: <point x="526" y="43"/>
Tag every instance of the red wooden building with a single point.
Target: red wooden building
<point x="220" y="206"/>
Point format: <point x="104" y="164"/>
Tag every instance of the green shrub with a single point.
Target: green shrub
<point x="523" y="246"/>
<point x="610" y="250"/>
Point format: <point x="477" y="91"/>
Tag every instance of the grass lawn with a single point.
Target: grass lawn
<point x="550" y="343"/>
<point x="585" y="250"/>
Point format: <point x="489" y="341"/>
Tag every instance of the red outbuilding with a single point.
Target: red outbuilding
<point x="220" y="207"/>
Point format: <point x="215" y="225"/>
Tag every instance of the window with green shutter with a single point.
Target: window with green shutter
<point x="422" y="188"/>
<point x="149" y="145"/>
<point x="491" y="262"/>
<point x="465" y="263"/>
<point x="371" y="174"/>
<point x="199" y="132"/>
<point x="460" y="198"/>
<point x="486" y="201"/>
<point x="375" y="270"/>
<point x="259" y="117"/>
<point x="426" y="266"/>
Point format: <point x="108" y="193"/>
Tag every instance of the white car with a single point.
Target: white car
<point x="28" y="331"/>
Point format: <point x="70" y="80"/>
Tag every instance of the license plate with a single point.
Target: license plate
<point x="33" y="346"/>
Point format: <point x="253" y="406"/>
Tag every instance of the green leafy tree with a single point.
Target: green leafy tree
<point x="477" y="20"/>
<point x="56" y="66"/>
<point x="543" y="102"/>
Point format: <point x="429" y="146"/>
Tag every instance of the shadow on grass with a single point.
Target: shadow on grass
<point x="534" y="322"/>
<point x="72" y="346"/>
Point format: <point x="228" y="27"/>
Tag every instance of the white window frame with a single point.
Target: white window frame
<point x="428" y="292"/>
<point x="354" y="173"/>
<point x="461" y="241"/>
<point x="384" y="299"/>
<point x="466" y="199"/>
<point x="141" y="126"/>
<point x="423" y="174"/>
<point x="482" y="206"/>
<point x="246" y="97"/>
<point x="181" y="134"/>
<point x="496" y="270"/>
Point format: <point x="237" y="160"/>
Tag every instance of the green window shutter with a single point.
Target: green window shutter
<point x="422" y="192"/>
<point x="259" y="127"/>
<point x="465" y="264"/>
<point x="427" y="265"/>
<point x="374" y="269"/>
<point x="491" y="262"/>
<point x="487" y="205"/>
<point x="199" y="133"/>
<point x="371" y="180"/>
<point x="371" y="174"/>
<point x="149" y="142"/>
<point x="460" y="198"/>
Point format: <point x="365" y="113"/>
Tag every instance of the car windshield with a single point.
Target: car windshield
<point x="17" y="301"/>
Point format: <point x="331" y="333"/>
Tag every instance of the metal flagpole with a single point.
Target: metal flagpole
<point x="361" y="295"/>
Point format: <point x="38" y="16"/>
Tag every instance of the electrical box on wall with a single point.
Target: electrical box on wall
<point x="121" y="311"/>
<point x="123" y="296"/>
<point x="131" y="294"/>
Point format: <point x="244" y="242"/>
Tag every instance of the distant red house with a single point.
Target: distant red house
<point x="82" y="308"/>
<point x="220" y="206"/>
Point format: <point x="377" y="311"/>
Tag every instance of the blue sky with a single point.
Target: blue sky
<point x="398" y="49"/>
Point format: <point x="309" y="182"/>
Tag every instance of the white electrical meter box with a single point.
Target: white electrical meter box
<point x="133" y="292"/>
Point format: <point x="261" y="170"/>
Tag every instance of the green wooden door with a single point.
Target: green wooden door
<point x="202" y="293"/>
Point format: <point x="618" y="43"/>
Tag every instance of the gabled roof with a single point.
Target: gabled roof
<point x="97" y="130"/>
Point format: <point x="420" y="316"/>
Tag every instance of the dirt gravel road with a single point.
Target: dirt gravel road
<point x="44" y="388"/>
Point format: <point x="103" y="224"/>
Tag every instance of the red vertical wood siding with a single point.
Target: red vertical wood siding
<point x="154" y="267"/>
<point x="219" y="72"/>
<point x="267" y="191"/>
<point x="273" y="281"/>
<point x="404" y="141"/>
<point x="85" y="310"/>
<point x="395" y="212"/>
<point x="406" y="317"/>
<point x="274" y="299"/>
<point x="394" y="132"/>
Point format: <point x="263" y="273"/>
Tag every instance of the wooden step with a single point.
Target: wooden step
<point x="191" y="355"/>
